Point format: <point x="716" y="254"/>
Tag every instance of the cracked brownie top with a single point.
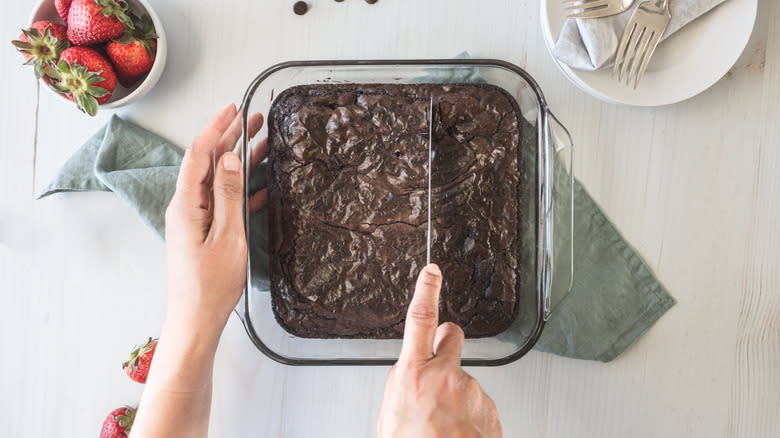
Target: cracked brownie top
<point x="347" y="198"/>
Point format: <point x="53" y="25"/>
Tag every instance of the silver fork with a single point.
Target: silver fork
<point x="640" y="39"/>
<point x="595" y="8"/>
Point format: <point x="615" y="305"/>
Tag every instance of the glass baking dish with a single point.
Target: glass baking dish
<point x="547" y="190"/>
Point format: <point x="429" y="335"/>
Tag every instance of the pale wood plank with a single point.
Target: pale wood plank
<point x="693" y="186"/>
<point x="755" y="389"/>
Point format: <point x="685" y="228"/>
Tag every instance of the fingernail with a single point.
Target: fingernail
<point x="433" y="269"/>
<point x="230" y="162"/>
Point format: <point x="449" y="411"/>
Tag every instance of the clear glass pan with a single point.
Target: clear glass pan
<point x="546" y="230"/>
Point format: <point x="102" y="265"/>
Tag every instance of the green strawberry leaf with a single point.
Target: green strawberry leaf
<point x="61" y="88"/>
<point x="134" y="18"/>
<point x="126" y="38"/>
<point x="79" y="70"/>
<point x="96" y="91"/>
<point x="52" y="72"/>
<point x="145" y="28"/>
<point x="87" y="103"/>
<point x="149" y="48"/>
<point x="62" y="45"/>
<point x="142" y="29"/>
<point x="21" y="45"/>
<point x="31" y="33"/>
<point x="124" y="19"/>
<point x="116" y="8"/>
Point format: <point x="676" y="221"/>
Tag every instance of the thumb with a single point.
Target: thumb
<point x="422" y="317"/>
<point x="228" y="196"/>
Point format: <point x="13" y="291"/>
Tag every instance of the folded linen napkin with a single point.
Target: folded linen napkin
<point x="615" y="296"/>
<point x="137" y="165"/>
<point x="591" y="43"/>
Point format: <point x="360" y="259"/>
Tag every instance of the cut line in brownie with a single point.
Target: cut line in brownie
<point x="348" y="206"/>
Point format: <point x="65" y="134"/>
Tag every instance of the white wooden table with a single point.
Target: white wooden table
<point x="694" y="186"/>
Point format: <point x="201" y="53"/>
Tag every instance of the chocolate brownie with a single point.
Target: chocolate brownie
<point x="348" y="206"/>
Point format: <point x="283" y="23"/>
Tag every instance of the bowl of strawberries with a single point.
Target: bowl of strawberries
<point x="95" y="53"/>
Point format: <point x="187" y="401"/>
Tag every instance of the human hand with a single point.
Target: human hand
<point x="204" y="227"/>
<point x="427" y="392"/>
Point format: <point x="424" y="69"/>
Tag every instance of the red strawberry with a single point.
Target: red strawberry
<point x="118" y="423"/>
<point x="42" y="44"/>
<point x="85" y="76"/>
<point x="133" y="53"/>
<point x="62" y="8"/>
<point x="137" y="366"/>
<point x="96" y="21"/>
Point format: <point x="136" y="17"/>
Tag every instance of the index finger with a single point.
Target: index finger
<point x="422" y="318"/>
<point x="193" y="179"/>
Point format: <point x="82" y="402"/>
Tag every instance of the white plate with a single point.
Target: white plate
<point x="684" y="65"/>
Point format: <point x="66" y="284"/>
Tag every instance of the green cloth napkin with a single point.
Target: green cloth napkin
<point x="137" y="165"/>
<point x="615" y="296"/>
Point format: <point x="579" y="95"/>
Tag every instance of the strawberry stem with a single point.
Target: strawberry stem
<point x="118" y="9"/>
<point x="43" y="50"/>
<point x="126" y="421"/>
<point x="76" y="80"/>
<point x="136" y="353"/>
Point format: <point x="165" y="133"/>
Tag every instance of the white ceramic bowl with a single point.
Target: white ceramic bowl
<point x="121" y="96"/>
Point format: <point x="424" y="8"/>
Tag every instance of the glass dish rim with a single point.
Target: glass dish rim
<point x="544" y="201"/>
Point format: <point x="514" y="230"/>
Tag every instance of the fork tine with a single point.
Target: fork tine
<point x="630" y="51"/>
<point x="621" y="51"/>
<point x="639" y="55"/>
<point x="581" y="2"/>
<point x="651" y="45"/>
<point x="588" y="6"/>
<point x="595" y="13"/>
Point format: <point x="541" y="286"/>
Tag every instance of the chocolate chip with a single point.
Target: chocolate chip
<point x="339" y="1"/>
<point x="371" y="2"/>
<point x="300" y="8"/>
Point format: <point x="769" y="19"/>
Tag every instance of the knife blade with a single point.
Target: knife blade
<point x="430" y="170"/>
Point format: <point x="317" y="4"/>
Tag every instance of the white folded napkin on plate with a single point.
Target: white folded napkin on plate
<point x="590" y="43"/>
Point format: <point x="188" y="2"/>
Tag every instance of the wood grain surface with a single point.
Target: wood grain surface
<point x="695" y="187"/>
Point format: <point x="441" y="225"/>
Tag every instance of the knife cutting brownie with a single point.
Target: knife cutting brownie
<point x="348" y="169"/>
